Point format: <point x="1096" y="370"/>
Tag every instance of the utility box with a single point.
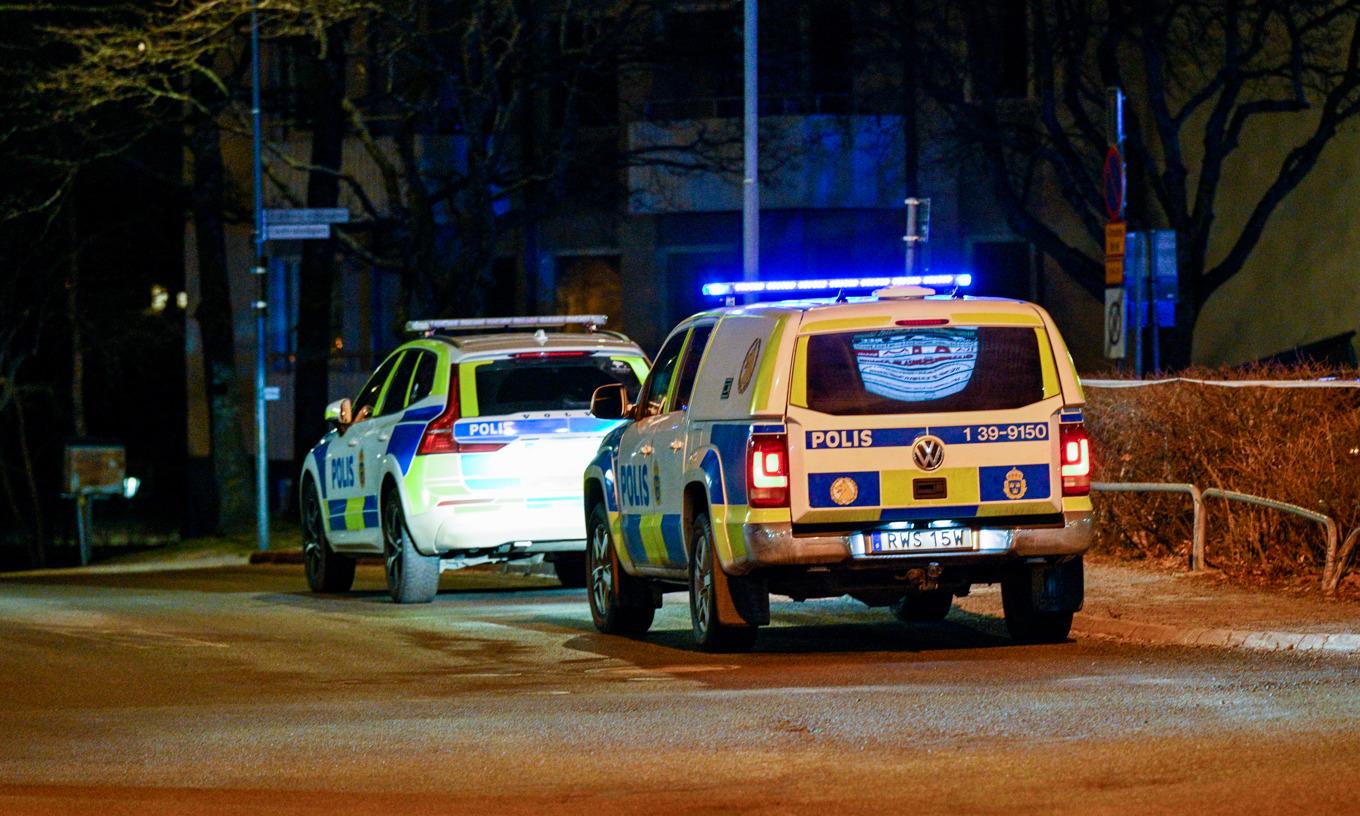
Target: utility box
<point x="95" y="469"/>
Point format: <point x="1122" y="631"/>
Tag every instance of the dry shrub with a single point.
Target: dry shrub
<point x="1297" y="445"/>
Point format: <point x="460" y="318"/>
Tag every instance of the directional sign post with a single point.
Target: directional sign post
<point x="1112" y="178"/>
<point x="303" y="225"/>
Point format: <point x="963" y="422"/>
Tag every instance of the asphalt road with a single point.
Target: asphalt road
<point x="233" y="690"/>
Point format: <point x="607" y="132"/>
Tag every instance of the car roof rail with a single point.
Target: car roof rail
<point x="487" y="324"/>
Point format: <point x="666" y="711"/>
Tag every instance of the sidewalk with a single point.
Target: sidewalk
<point x="1142" y="603"/>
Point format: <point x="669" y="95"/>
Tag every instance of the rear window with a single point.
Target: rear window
<point x="913" y="371"/>
<point x="548" y="384"/>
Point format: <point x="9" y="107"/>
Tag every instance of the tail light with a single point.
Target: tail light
<point x="438" y="436"/>
<point x="767" y="471"/>
<point x="1076" y="459"/>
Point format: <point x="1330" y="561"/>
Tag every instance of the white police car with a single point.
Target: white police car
<point x="465" y="446"/>
<point x="898" y="449"/>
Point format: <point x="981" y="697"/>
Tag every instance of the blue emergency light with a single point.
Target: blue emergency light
<point x="808" y="285"/>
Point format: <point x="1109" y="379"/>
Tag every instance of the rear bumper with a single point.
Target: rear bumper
<point x="554" y="527"/>
<point x="775" y="545"/>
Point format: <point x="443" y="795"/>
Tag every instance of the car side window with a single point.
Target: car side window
<point x="422" y="383"/>
<point x="659" y="381"/>
<point x="698" y="341"/>
<point x="368" y="395"/>
<point x="395" y="400"/>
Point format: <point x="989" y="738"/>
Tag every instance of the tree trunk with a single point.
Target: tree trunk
<point x="231" y="467"/>
<point x="37" y="555"/>
<point x="73" y="318"/>
<point x="311" y="385"/>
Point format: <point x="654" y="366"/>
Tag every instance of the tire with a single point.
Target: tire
<point x="1025" y="623"/>
<point x="620" y="604"/>
<point x="924" y="607"/>
<point x="571" y="570"/>
<point x="411" y="576"/>
<point x="710" y="634"/>
<point x="326" y="570"/>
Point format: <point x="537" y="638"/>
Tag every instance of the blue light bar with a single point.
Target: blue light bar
<point x="731" y="288"/>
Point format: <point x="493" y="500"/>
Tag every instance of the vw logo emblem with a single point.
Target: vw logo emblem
<point x="928" y="453"/>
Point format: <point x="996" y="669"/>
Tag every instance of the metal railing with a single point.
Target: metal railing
<point x="1332" y="568"/>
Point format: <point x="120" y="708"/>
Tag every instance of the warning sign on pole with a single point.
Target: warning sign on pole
<point x="1114" y="323"/>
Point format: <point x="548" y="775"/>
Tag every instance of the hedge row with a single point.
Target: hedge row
<point x="1298" y="445"/>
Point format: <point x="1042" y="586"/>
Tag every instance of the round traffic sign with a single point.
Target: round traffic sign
<point x="1114" y="183"/>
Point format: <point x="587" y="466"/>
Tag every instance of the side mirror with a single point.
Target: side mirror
<point x="337" y="413"/>
<point x="609" y="402"/>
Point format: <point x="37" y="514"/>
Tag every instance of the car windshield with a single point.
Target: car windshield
<point x="558" y="383"/>
<point x="926" y="370"/>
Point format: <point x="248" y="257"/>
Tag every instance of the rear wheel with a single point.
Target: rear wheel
<point x="326" y="570"/>
<point x="620" y="604"/>
<point x="711" y="634"/>
<point x="412" y="577"/>
<point x="1025" y="622"/>
<point x="924" y="607"/>
<point x="571" y="569"/>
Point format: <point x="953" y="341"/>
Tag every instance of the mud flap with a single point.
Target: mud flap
<point x="742" y="600"/>
<point x="1058" y="587"/>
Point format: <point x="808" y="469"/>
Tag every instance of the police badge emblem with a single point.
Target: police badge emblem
<point x="1015" y="486"/>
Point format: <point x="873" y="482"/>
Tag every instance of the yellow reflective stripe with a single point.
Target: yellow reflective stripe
<point x="616" y="539"/>
<point x="1047" y="364"/>
<point x="1076" y="504"/>
<point x="816" y="516"/>
<point x="467" y="387"/>
<point x="961" y="487"/>
<point x="996" y="318"/>
<point x="354" y="513"/>
<point x="1016" y="508"/>
<point x="848" y="323"/>
<point x="760" y="395"/>
<point x="638" y="365"/>
<point x="723" y="533"/>
<point x="652" y="542"/>
<point x="798" y="388"/>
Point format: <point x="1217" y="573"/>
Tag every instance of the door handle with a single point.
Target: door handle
<point x="384" y="437"/>
<point x="354" y="443"/>
<point x="677" y="445"/>
<point x="646" y="450"/>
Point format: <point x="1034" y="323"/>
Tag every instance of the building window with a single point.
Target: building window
<point x="830" y="41"/>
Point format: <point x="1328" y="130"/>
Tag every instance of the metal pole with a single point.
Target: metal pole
<point x="750" y="225"/>
<point x="261" y="295"/>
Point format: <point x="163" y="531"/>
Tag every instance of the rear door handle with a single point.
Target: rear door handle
<point x="384" y="437"/>
<point x="677" y="445"/>
<point x="645" y="450"/>
<point x="354" y="443"/>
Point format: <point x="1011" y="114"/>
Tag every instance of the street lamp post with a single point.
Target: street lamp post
<point x="261" y="304"/>
<point x="750" y="225"/>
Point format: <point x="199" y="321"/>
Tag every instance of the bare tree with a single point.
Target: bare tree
<point x="1199" y="73"/>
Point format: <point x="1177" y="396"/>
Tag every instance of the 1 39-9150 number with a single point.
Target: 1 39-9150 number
<point x="1019" y="432"/>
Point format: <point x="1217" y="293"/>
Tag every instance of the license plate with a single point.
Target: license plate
<point x="940" y="539"/>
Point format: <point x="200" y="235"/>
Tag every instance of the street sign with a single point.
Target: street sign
<point x="322" y="215"/>
<point x="1115" y="232"/>
<point x="296" y="232"/>
<point x="1165" y="280"/>
<point x="1114" y="323"/>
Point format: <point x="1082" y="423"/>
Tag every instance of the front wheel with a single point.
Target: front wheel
<point x="412" y="577"/>
<point x="620" y="604"/>
<point x="711" y="634"/>
<point x="326" y="570"/>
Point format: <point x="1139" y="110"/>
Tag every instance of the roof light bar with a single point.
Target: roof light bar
<point x="470" y="323"/>
<point x="730" y="288"/>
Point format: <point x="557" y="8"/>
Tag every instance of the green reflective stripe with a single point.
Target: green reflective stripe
<point x="638" y="364"/>
<point x="467" y="387"/>
<point x="760" y="395"/>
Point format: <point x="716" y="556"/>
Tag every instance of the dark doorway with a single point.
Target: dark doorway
<point x="589" y="284"/>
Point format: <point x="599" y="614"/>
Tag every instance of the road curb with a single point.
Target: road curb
<point x="1256" y="641"/>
